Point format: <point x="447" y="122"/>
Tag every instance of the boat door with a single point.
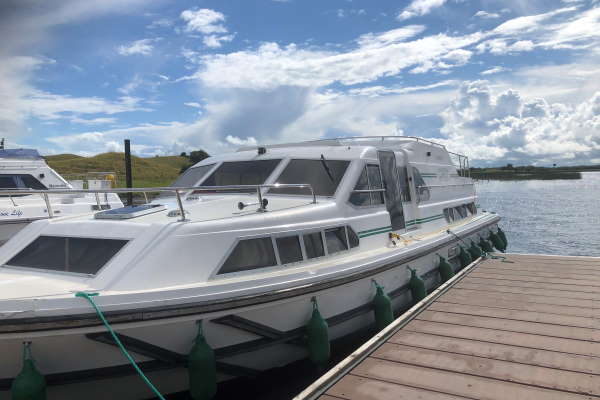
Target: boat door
<point x="393" y="196"/>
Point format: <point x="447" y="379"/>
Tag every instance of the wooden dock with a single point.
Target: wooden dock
<point x="526" y="327"/>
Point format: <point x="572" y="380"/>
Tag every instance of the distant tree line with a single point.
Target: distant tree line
<point x="194" y="157"/>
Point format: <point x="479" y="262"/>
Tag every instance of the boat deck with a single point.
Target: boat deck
<point x="526" y="327"/>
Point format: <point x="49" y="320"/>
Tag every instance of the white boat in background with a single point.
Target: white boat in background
<point x="244" y="243"/>
<point x="26" y="169"/>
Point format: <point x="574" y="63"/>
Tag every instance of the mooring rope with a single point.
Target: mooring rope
<point x="88" y="297"/>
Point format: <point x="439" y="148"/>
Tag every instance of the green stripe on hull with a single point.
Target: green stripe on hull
<point x="385" y="229"/>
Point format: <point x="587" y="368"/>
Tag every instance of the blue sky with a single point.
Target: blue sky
<point x="502" y="81"/>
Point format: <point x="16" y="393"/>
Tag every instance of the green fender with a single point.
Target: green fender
<point x="382" y="305"/>
<point x="502" y="236"/>
<point x="446" y="270"/>
<point x="417" y="286"/>
<point x="497" y="241"/>
<point x="475" y="251"/>
<point x="202" y="368"/>
<point x="317" y="333"/>
<point x="30" y="384"/>
<point x="465" y="257"/>
<point x="485" y="245"/>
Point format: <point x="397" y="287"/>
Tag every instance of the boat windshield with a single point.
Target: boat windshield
<point x="192" y="176"/>
<point x="323" y="175"/>
<point x="233" y="173"/>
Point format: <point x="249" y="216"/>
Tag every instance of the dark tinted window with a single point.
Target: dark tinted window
<point x="20" y="181"/>
<point x="241" y="173"/>
<point x="336" y="240"/>
<point x="313" y="245"/>
<point x="403" y="177"/>
<point x="69" y="254"/>
<point x="420" y="186"/>
<point x="375" y="182"/>
<point x="472" y="208"/>
<point x="191" y="176"/>
<point x="361" y="199"/>
<point x="462" y="211"/>
<point x="324" y="176"/>
<point x="250" y="254"/>
<point x="353" y="238"/>
<point x="289" y="249"/>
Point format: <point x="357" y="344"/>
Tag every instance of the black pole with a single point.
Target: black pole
<point x="128" y="178"/>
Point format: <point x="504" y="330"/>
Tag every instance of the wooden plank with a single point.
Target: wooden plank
<point x="328" y="397"/>
<point x="523" y="277"/>
<point x="528" y="284"/>
<point x="551" y="257"/>
<point x="563" y="267"/>
<point x="451" y="297"/>
<point x="532" y="316"/>
<point x="553" y="272"/>
<point x="526" y="297"/>
<point x="562" y="275"/>
<point x="489" y="287"/>
<point x="485" y="367"/>
<point x="512" y="338"/>
<point x="355" y="387"/>
<point x="542" y="358"/>
<point x="535" y="328"/>
<point x="456" y="383"/>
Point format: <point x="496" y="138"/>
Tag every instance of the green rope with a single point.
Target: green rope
<point x="88" y="297"/>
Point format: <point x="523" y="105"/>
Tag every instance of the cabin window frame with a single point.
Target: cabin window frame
<point x="370" y="191"/>
<point x="128" y="241"/>
<point x="279" y="266"/>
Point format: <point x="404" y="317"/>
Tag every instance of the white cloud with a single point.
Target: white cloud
<point x="160" y="23"/>
<point x="214" y="41"/>
<point x="49" y="106"/>
<point x="494" y="70"/>
<point x="486" y="15"/>
<point x="236" y="141"/>
<point x="142" y="46"/>
<point x="209" y="23"/>
<point x="193" y="104"/>
<point x="376" y="56"/>
<point x="93" y="121"/>
<point x="528" y="23"/>
<point x="509" y="127"/>
<point x="419" y="8"/>
<point x="204" y="20"/>
<point x="503" y="46"/>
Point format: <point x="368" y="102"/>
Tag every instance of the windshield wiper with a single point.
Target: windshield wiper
<point x="324" y="163"/>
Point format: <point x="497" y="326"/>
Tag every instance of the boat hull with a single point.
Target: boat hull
<point x="248" y="337"/>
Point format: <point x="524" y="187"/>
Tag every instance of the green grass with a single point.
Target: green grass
<point x="147" y="172"/>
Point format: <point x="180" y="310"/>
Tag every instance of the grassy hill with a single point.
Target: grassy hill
<point x="147" y="172"/>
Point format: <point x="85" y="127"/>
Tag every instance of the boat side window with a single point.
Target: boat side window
<point x="353" y="239"/>
<point x="192" y="176"/>
<point x="403" y="178"/>
<point x="336" y="240"/>
<point x="369" y="187"/>
<point x="323" y="175"/>
<point x="253" y="172"/>
<point x="250" y="254"/>
<point x="420" y="186"/>
<point x="313" y="244"/>
<point x="20" y="181"/>
<point x="449" y="214"/>
<point x="67" y="254"/>
<point x="461" y="210"/>
<point x="289" y="249"/>
<point x="472" y="208"/>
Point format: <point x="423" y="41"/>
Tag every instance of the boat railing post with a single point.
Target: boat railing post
<point x="313" y="194"/>
<point x="180" y="204"/>
<point x="48" y="205"/>
<point x="98" y="200"/>
<point x="261" y="206"/>
<point x="12" y="200"/>
<point x="145" y="197"/>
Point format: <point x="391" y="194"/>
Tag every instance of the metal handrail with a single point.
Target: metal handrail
<point x="454" y="184"/>
<point x="176" y="190"/>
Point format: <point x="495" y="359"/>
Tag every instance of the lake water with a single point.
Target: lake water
<point x="547" y="217"/>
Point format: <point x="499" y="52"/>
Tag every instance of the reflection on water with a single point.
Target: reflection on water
<point x="551" y="217"/>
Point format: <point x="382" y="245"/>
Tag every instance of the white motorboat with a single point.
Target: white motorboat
<point x="26" y="169"/>
<point x="243" y="243"/>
